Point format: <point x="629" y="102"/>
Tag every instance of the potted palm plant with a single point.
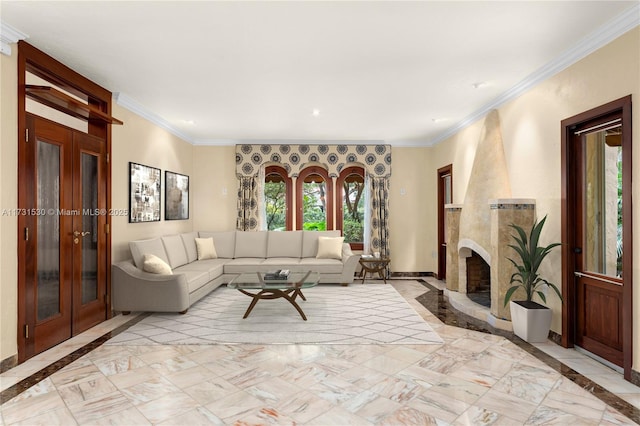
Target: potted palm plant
<point x="531" y="321"/>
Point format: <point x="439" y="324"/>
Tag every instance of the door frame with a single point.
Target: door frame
<point x="442" y="260"/>
<point x="32" y="60"/>
<point x="570" y="210"/>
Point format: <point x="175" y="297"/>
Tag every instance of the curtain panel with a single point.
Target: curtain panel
<point x="248" y="204"/>
<point x="379" y="215"/>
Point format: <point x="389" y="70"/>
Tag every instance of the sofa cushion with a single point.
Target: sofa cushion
<point x="214" y="267"/>
<point x="141" y="247"/>
<point x="176" y="252"/>
<point x="195" y="279"/>
<point x="206" y="248"/>
<point x="284" y="244"/>
<point x="155" y="265"/>
<point x="330" y="248"/>
<point x="310" y="241"/>
<point x="246" y="264"/>
<point x="225" y="242"/>
<point x="273" y="263"/>
<point x="323" y="266"/>
<point x="251" y="244"/>
<point x="189" y="241"/>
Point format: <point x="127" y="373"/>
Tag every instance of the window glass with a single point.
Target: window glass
<point x="353" y="208"/>
<point x="314" y="207"/>
<point x="275" y="198"/>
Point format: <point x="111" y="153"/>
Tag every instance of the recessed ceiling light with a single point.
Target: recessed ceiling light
<point x="439" y="120"/>
<point x="316" y="112"/>
<point x="188" y="122"/>
<point x="480" y="84"/>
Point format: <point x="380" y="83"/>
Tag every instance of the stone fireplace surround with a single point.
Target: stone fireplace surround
<point x="502" y="213"/>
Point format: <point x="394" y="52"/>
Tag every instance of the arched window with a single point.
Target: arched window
<point x="350" y="200"/>
<point x="277" y="198"/>
<point x="314" y="191"/>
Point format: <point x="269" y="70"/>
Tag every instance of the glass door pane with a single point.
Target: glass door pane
<point x="603" y="202"/>
<point x="48" y="248"/>
<point x="89" y="236"/>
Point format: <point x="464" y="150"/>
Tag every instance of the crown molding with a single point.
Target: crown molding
<point x="594" y="41"/>
<point x="229" y="142"/>
<point x="134" y="106"/>
<point x="9" y="36"/>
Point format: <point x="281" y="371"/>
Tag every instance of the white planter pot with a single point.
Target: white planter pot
<point x="530" y="324"/>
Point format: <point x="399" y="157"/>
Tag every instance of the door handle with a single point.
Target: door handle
<point x="593" y="277"/>
<point x="81" y="234"/>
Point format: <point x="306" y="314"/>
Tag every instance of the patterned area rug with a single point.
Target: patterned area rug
<point x="357" y="314"/>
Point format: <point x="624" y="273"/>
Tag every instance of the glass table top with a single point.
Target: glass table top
<point x="256" y="280"/>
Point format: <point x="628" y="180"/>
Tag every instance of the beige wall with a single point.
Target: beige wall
<point x="140" y="141"/>
<point x="8" y="200"/>
<point x="531" y="134"/>
<point x="412" y="207"/>
<point x="214" y="188"/>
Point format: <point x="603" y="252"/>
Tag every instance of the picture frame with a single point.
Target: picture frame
<point x="176" y="195"/>
<point x="144" y="193"/>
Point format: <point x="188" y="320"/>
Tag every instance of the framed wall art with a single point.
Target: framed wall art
<point x="176" y="195"/>
<point x="144" y="193"/>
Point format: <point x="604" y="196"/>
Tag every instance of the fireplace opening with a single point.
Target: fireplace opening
<point x="478" y="280"/>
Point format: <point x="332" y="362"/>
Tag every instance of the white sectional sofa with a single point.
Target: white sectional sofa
<point x="133" y="289"/>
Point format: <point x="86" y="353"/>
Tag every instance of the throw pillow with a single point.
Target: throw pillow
<point x="330" y="248"/>
<point x="206" y="249"/>
<point x="155" y="265"/>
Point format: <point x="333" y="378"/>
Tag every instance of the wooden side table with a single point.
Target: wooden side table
<point x="374" y="264"/>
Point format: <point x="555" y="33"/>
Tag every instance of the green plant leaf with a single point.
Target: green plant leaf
<point x="509" y="293"/>
<point x="531" y="257"/>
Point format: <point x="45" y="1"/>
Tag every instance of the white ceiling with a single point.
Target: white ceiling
<point x="399" y="72"/>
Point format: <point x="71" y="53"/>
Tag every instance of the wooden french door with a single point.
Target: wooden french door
<point x="597" y="231"/>
<point x="62" y="253"/>
<point x="445" y="196"/>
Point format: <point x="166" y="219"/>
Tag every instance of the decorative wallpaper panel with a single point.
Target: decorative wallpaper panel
<point x="376" y="159"/>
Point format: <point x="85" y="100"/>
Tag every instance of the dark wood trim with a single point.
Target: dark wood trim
<point x="54" y="71"/>
<point x="344" y="173"/>
<point x="569" y="178"/>
<point x="282" y="172"/>
<point x="442" y="263"/>
<point x="60" y="101"/>
<point x="8" y="363"/>
<point x="32" y="60"/>
<point x="314" y="170"/>
<point x="412" y="274"/>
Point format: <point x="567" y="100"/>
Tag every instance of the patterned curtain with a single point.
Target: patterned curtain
<point x="248" y="205"/>
<point x="379" y="209"/>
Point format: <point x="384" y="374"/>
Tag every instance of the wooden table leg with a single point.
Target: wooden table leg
<point x="274" y="294"/>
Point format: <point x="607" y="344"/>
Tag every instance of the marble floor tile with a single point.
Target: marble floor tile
<point x="273" y="390"/>
<point x="339" y="416"/>
<point x="198" y="416"/>
<point x="509" y="406"/>
<point x="234" y="406"/>
<point x="473" y="378"/>
<point x="378" y="409"/>
<point x="21" y="410"/>
<point x="168" y="406"/>
<point x="304" y="406"/>
<point x="439" y="405"/>
<point x="90" y="410"/>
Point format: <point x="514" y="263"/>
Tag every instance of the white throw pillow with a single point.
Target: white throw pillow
<point x="330" y="248"/>
<point x="206" y="249"/>
<point x="155" y="265"/>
